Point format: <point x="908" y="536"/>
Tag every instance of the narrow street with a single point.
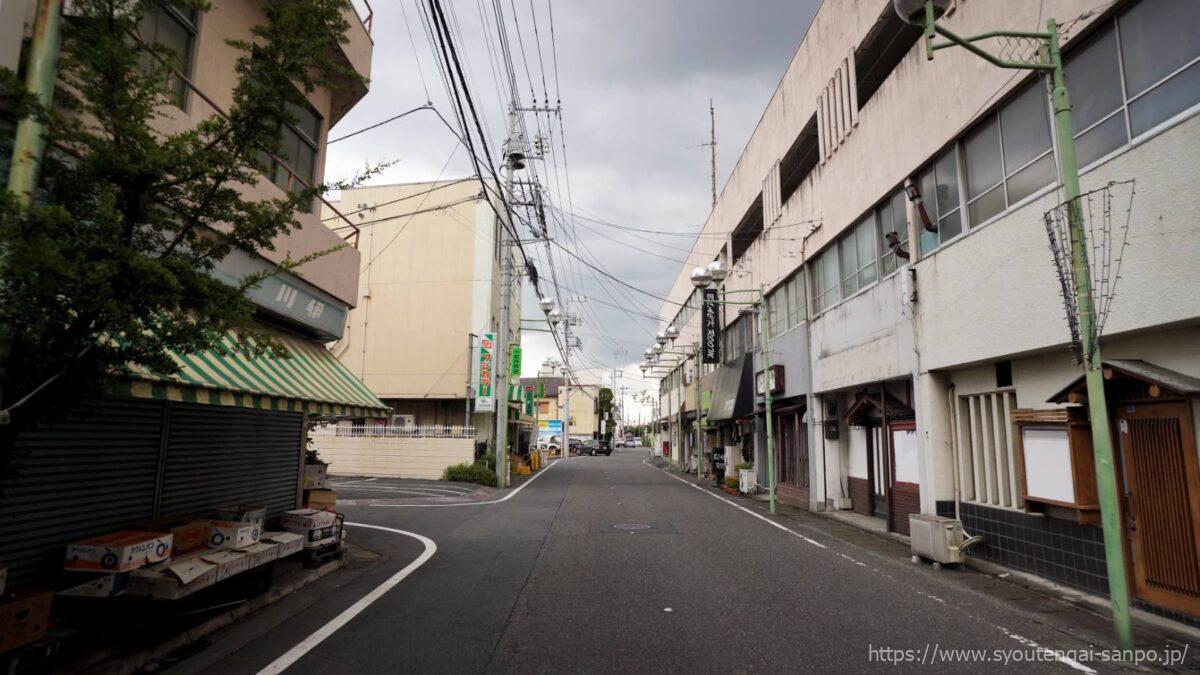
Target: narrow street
<point x="609" y="564"/>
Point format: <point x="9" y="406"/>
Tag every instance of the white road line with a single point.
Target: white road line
<point x="306" y="645"/>
<point x="428" y="492"/>
<point x="490" y="501"/>
<point x="761" y="517"/>
<point x="1058" y="656"/>
<point x="381" y="486"/>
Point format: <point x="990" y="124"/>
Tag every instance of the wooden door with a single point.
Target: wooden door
<point x="905" y="488"/>
<point x="1162" y="497"/>
<point x="791" y="459"/>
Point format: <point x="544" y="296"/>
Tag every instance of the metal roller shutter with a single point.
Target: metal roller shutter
<point x="89" y="474"/>
<point x="218" y="456"/>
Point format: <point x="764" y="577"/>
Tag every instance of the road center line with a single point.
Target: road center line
<point x="306" y="645"/>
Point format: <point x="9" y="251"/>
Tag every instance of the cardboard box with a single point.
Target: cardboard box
<point x="228" y="561"/>
<point x="24" y="618"/>
<point x="316" y="476"/>
<point x="118" y="552"/>
<point x="241" y="513"/>
<point x="289" y="542"/>
<point x="3" y="578"/>
<point x="230" y="534"/>
<point x="94" y="584"/>
<point x="261" y="553"/>
<point x="320" y="499"/>
<point x="181" y="577"/>
<point x="186" y="536"/>
<point x="319" y="528"/>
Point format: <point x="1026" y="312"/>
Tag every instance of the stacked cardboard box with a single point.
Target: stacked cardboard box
<point x="319" y="528"/>
<point x="23" y="618"/>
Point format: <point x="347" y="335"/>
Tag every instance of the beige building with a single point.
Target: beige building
<point x="938" y="378"/>
<point x="550" y="406"/>
<point x="429" y="289"/>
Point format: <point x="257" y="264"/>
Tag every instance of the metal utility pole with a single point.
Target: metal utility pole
<point x="764" y="335"/>
<point x="29" y="142"/>
<point x="502" y="341"/>
<point x="1048" y="58"/>
<point x="565" y="448"/>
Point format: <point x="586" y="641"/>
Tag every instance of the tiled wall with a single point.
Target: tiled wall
<point x="1060" y="550"/>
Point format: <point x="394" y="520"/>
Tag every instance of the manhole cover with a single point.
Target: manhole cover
<point x="632" y="526"/>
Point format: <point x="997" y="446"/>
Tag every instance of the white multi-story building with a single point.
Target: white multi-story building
<point x="933" y="372"/>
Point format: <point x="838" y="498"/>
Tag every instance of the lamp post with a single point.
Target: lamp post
<point x="1049" y="60"/>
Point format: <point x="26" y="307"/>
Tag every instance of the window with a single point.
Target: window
<point x="298" y="149"/>
<point x="892" y="216"/>
<point x="939" y="190"/>
<point x="747" y="230"/>
<point x="858" y="256"/>
<point x="1160" y="51"/>
<point x="988" y="468"/>
<point x="174" y="29"/>
<point x="1135" y="73"/>
<point x="828" y="291"/>
<point x="787" y="305"/>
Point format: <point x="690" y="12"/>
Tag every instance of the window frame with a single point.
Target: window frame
<point x="190" y="23"/>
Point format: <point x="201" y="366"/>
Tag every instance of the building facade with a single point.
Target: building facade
<point x="923" y="361"/>
<point x="428" y="296"/>
<point x="226" y="428"/>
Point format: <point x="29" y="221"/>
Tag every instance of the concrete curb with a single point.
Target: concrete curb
<point x="113" y="662"/>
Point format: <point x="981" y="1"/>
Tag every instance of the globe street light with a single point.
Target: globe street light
<point x="672" y="332"/>
<point x="661" y="337"/>
<point x="700" y="277"/>
<point x="717" y="271"/>
<point x="554" y="316"/>
<point x="547" y="304"/>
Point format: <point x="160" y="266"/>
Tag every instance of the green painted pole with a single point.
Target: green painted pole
<point x="1102" y="445"/>
<point x="699" y="432"/>
<point x="764" y="336"/>
<point x="29" y="141"/>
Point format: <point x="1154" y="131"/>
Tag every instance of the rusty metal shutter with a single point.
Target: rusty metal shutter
<point x="91" y="473"/>
<point x="219" y="455"/>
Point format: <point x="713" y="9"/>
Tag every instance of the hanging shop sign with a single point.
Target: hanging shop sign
<point x="775" y="380"/>
<point x="710" y="346"/>
<point x="485" y="399"/>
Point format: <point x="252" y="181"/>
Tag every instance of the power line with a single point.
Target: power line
<point x="389" y="120"/>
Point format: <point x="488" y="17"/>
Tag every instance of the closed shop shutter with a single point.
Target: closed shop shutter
<point x="219" y="456"/>
<point x="89" y="474"/>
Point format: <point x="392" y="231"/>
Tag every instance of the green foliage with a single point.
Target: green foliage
<point x="112" y="264"/>
<point x="479" y="472"/>
<point x="731" y="482"/>
<point x="743" y="466"/>
<point x="488" y="460"/>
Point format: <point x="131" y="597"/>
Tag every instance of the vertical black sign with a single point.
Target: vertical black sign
<point x="710" y="345"/>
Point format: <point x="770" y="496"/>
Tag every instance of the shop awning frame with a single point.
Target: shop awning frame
<point x="308" y="379"/>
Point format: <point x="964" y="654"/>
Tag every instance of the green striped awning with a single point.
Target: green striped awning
<point x="309" y="380"/>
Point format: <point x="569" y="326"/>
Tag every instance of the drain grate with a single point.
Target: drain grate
<point x="609" y="527"/>
<point x="633" y="526"/>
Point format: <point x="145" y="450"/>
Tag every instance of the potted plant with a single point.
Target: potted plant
<point x="746" y="477"/>
<point x="731" y="485"/>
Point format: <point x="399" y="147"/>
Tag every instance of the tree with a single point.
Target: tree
<point x="112" y="264"/>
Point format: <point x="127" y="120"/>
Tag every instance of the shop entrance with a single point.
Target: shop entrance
<point x="1162" y="498"/>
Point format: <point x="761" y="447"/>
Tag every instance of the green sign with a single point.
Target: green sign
<point x="485" y="401"/>
<point x="514" y="362"/>
<point x="541" y="389"/>
<point x="529" y="401"/>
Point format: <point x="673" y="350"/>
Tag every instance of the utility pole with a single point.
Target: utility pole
<point x="565" y="450"/>
<point x="29" y="143"/>
<point x="1048" y="58"/>
<point x="511" y="145"/>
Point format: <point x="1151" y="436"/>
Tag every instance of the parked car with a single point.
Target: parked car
<point x="574" y="444"/>
<point x="595" y="446"/>
<point x="631" y="442"/>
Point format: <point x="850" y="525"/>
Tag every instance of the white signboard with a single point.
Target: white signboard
<point x="904" y="449"/>
<point x="1048" y="464"/>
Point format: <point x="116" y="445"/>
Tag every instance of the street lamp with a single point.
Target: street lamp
<point x="661" y="337"/>
<point x="547" y="304"/>
<point x="1043" y="55"/>
<point x="554" y="316"/>
<point x="701" y="277"/>
<point x="717" y="271"/>
<point x="672" y="332"/>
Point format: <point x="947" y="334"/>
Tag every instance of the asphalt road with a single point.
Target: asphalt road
<point x="608" y="564"/>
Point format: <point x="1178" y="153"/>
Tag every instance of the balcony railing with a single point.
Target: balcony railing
<point x="406" y="431"/>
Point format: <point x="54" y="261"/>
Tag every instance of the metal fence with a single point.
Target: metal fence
<point x="406" y="431"/>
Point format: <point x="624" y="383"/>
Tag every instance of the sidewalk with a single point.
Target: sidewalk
<point x="1069" y="610"/>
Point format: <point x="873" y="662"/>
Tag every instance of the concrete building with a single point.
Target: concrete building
<point x="224" y="429"/>
<point x="550" y="406"/>
<point x="429" y="290"/>
<point x="927" y="368"/>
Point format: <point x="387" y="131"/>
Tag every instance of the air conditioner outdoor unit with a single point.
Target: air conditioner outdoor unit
<point x="938" y="539"/>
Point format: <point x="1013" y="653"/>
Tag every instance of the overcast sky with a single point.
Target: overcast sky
<point x="636" y="77"/>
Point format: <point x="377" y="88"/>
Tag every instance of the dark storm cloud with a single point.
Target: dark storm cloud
<point x="636" y="77"/>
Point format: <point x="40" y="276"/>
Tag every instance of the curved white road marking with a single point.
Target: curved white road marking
<point x="306" y="645"/>
<point x="490" y="501"/>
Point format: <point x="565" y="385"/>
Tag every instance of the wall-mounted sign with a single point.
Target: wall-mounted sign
<point x="710" y="345"/>
<point x="514" y="362"/>
<point x="776" y="380"/>
<point x="485" y="399"/>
